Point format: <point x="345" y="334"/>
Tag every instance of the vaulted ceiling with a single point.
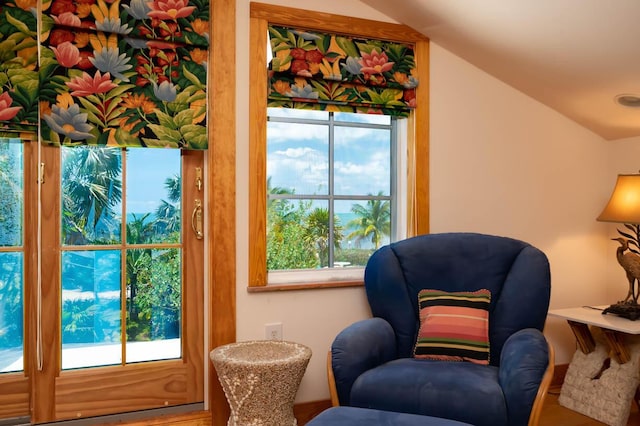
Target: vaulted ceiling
<point x="575" y="56"/>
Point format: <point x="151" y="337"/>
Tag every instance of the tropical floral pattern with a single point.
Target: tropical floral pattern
<point x="18" y="66"/>
<point x="125" y="72"/>
<point x="331" y="72"/>
<point x="110" y="72"/>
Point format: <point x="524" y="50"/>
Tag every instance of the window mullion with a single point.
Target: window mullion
<point x="331" y="190"/>
<point x="394" y="181"/>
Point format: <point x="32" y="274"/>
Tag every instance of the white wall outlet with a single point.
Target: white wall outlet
<point x="273" y="331"/>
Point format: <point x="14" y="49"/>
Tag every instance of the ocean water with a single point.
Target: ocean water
<point x="345" y="218"/>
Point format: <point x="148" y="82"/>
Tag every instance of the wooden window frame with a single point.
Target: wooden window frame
<point x="261" y="15"/>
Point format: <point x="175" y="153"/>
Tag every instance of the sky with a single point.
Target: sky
<point x="297" y="156"/>
<point x="297" y="159"/>
<point x="147" y="170"/>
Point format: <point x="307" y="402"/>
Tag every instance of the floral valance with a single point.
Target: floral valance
<point x="18" y="68"/>
<point x="176" y="21"/>
<point x="334" y="72"/>
<point x="114" y="72"/>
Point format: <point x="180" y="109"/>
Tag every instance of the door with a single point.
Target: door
<point x="18" y="218"/>
<point x="115" y="322"/>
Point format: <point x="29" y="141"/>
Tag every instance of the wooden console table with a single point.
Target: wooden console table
<point x="613" y="328"/>
<point x="593" y="385"/>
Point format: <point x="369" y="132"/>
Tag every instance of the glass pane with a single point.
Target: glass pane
<point x="298" y="158"/>
<point x="91" y="325"/>
<point x="362" y="161"/>
<point x="298" y="234"/>
<point x="91" y="195"/>
<point x="154" y="304"/>
<point x="363" y="118"/>
<point x="11" y="189"/>
<point x="11" y="315"/>
<point x="153" y="196"/>
<point x="366" y="226"/>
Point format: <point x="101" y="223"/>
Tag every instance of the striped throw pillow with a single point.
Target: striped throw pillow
<point x="454" y="326"/>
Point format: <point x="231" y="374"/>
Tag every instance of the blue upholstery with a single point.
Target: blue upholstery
<point x="350" y="416"/>
<point x="372" y="360"/>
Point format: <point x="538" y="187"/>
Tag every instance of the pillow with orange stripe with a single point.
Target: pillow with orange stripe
<point x="454" y="326"/>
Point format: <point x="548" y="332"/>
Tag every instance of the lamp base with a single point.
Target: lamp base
<point x="629" y="310"/>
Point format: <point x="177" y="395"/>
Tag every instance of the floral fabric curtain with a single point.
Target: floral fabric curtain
<point x="18" y="69"/>
<point x="111" y="72"/>
<point x="314" y="70"/>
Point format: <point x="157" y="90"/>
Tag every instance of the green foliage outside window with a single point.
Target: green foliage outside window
<point x="298" y="233"/>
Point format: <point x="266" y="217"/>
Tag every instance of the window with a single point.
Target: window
<point x="332" y="191"/>
<point x="101" y="305"/>
<point x="327" y="199"/>
<point x="11" y="255"/>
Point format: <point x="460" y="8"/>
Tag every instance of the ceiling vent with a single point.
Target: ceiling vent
<point x="632" y="101"/>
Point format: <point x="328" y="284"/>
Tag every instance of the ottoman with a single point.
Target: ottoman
<point x="352" y="416"/>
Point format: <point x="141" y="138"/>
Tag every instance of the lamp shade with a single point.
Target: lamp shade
<point x="624" y="204"/>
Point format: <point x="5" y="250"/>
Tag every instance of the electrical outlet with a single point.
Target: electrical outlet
<point x="273" y="331"/>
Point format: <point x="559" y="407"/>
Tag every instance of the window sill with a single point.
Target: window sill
<point x="305" y="286"/>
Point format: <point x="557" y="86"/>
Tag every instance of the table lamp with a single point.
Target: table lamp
<point x="624" y="207"/>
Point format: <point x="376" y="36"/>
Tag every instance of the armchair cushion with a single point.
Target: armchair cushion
<point x="454" y="326"/>
<point x="460" y="391"/>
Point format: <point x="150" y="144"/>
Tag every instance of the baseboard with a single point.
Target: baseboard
<point x="305" y="411"/>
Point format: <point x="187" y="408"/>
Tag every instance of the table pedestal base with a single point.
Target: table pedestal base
<point x="599" y="387"/>
<point x="602" y="379"/>
<point x="260" y="380"/>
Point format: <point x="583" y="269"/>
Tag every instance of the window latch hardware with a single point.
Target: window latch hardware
<point x="196" y="219"/>
<point x="199" y="178"/>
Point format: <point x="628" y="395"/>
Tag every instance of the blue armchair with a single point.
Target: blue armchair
<point x="371" y="363"/>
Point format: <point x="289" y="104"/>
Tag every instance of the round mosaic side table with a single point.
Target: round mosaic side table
<point x="260" y="379"/>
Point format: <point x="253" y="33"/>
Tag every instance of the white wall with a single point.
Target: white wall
<point x="310" y="317"/>
<point x="501" y="163"/>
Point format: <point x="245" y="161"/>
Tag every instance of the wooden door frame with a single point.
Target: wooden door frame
<point x="221" y="205"/>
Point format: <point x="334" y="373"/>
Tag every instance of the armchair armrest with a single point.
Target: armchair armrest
<point x="525" y="358"/>
<point x="359" y="347"/>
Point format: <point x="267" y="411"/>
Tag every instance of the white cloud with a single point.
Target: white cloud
<point x="297" y="152"/>
<point x="304" y="169"/>
<point x="278" y="133"/>
<point x="350" y="169"/>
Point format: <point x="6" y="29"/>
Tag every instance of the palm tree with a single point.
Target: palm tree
<point x="11" y="188"/>
<point x="173" y="186"/>
<point x="91" y="188"/>
<point x="373" y="221"/>
<point x="317" y="233"/>
<point x="277" y="205"/>
<point x="168" y="212"/>
<point x="139" y="229"/>
<point x="279" y="211"/>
